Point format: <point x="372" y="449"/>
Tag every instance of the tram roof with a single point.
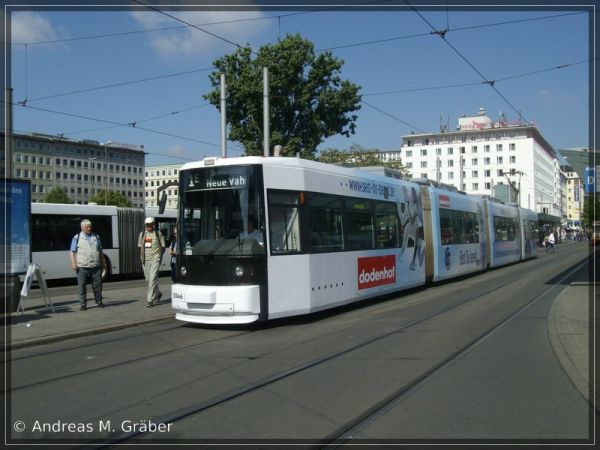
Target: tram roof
<point x="291" y="162"/>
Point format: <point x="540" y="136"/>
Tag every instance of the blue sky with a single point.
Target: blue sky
<point x="506" y="46"/>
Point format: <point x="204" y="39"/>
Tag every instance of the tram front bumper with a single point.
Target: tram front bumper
<point x="216" y="304"/>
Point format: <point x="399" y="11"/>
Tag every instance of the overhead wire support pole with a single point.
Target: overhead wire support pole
<point x="266" y="127"/>
<point x="223" y="119"/>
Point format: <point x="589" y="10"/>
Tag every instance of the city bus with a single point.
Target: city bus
<point x="54" y="225"/>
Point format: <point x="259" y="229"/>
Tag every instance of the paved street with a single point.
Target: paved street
<point x="527" y="379"/>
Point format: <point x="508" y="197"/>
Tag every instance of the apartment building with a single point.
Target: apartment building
<point x="508" y="160"/>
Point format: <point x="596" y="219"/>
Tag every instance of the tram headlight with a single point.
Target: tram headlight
<point x="239" y="271"/>
<point x="183" y="271"/>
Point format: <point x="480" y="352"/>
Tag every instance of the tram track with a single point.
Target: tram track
<point x="120" y="363"/>
<point x="346" y="431"/>
<point x="147" y="357"/>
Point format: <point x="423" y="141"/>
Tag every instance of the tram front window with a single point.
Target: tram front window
<point x="222" y="211"/>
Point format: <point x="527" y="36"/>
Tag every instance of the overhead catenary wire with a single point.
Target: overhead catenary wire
<point x="160" y="116"/>
<point x="445" y="31"/>
<point x="123" y="83"/>
<point x="478" y="83"/>
<point x="379" y="109"/>
<point x="235" y="44"/>
<point x="79" y="116"/>
<point x="279" y="17"/>
<point x="469" y="63"/>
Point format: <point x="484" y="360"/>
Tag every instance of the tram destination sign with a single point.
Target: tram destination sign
<point x="217" y="181"/>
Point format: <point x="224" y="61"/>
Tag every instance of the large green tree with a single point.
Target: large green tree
<point x="57" y="195"/>
<point x="308" y="100"/>
<point x="112" y="198"/>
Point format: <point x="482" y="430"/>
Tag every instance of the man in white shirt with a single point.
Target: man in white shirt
<point x="251" y="231"/>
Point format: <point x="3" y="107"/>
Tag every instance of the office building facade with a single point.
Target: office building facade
<point x="157" y="176"/>
<point x="82" y="167"/>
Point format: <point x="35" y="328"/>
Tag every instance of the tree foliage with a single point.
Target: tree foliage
<point x="57" y="195"/>
<point x="112" y="198"/>
<point x="358" y="156"/>
<point x="591" y="210"/>
<point x="308" y="100"/>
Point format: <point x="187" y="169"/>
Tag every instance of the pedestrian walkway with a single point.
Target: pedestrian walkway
<point x="124" y="307"/>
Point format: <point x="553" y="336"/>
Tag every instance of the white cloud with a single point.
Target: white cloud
<point x="177" y="150"/>
<point x="27" y="27"/>
<point x="552" y="98"/>
<point x="190" y="42"/>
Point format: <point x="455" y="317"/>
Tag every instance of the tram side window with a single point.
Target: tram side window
<point x="446" y="227"/>
<point x="471" y="228"/>
<point x="326" y="224"/>
<point x="532" y="230"/>
<point x="458" y="227"/>
<point x="388" y="230"/>
<point x="505" y="229"/>
<point x="284" y="221"/>
<point x="359" y="220"/>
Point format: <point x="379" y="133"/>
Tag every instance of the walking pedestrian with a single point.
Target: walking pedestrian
<point x="87" y="260"/>
<point x="173" y="253"/>
<point x="551" y="242"/>
<point x="151" y="243"/>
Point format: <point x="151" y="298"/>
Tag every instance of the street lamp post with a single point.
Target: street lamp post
<point x="106" y="144"/>
<point x="91" y="174"/>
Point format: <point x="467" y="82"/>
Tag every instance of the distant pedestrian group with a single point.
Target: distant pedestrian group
<point x="88" y="260"/>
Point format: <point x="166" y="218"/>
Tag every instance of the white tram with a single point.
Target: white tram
<point x="263" y="238"/>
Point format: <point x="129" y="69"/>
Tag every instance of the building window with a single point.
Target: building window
<point x="512" y="146"/>
<point x="488" y="185"/>
<point x="474" y="149"/>
<point x="487" y="173"/>
<point x="450" y="163"/>
<point x="498" y="147"/>
<point x="408" y="153"/>
<point x="499" y="160"/>
<point x="486" y="148"/>
<point x="475" y="174"/>
<point x="499" y="173"/>
<point x="451" y="175"/>
<point x="475" y="186"/>
<point x="423" y="164"/>
<point x="423" y="152"/>
<point x="438" y="152"/>
<point x="513" y="159"/>
<point x="462" y="150"/>
<point x="450" y="151"/>
<point x="474" y="161"/>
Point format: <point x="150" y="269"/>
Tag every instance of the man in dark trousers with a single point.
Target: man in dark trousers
<point x="87" y="260"/>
